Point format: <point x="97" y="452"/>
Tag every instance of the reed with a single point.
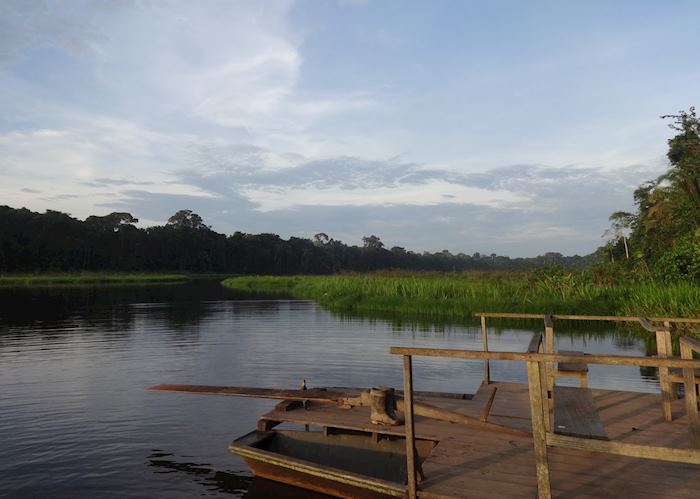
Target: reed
<point x="458" y="295"/>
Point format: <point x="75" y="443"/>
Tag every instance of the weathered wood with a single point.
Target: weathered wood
<point x="690" y="456"/>
<point x="664" y="349"/>
<point x="535" y="342"/>
<point x="575" y="413"/>
<point x="619" y="360"/>
<point x="487" y="408"/>
<point x="547" y="369"/>
<point x="485" y="347"/>
<point x="482" y="463"/>
<point x="646" y="324"/>
<point x="611" y="318"/>
<point x="538" y="430"/>
<point x="313" y="394"/>
<point x="448" y="416"/>
<point x="573" y="369"/>
<point x="409" y="424"/>
<point x="688" y="346"/>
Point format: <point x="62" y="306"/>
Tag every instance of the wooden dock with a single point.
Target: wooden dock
<point x="533" y="439"/>
<point x="489" y="464"/>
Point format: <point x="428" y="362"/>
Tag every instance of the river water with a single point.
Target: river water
<point x="76" y="419"/>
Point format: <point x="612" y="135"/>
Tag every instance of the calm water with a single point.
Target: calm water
<point x="76" y="421"/>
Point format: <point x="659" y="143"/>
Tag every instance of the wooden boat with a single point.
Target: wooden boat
<point x="341" y="463"/>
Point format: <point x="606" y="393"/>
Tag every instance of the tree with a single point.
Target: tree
<point x="321" y="239"/>
<point x="112" y="222"/>
<point x="621" y="222"/>
<point x="372" y="242"/>
<point x="186" y="219"/>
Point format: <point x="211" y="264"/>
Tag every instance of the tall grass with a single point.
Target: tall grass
<point x="458" y="295"/>
<point x="88" y="279"/>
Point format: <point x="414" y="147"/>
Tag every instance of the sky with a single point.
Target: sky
<point x="502" y="127"/>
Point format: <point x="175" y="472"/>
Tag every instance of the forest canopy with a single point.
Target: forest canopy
<point x="55" y="241"/>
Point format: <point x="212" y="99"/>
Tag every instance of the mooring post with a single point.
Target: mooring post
<point x="539" y="435"/>
<point x="410" y="435"/>
<point x="691" y="396"/>
<point x="485" y="346"/>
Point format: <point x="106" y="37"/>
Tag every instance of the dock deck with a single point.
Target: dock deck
<point x="479" y="463"/>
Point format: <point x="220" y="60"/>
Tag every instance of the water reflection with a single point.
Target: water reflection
<point x="75" y="362"/>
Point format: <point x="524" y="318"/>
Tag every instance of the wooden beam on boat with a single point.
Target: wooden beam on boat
<point x="312" y="394"/>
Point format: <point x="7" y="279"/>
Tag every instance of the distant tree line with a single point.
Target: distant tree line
<point x="56" y="241"/>
<point x="662" y="238"/>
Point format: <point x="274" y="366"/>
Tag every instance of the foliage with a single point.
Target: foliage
<point x="57" y="242"/>
<point x="664" y="230"/>
<point x="456" y="296"/>
<point x="81" y="279"/>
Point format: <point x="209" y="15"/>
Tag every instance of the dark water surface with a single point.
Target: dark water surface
<point x="76" y="421"/>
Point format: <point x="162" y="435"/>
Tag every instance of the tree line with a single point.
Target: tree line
<point x="55" y="241"/>
<point x="662" y="237"/>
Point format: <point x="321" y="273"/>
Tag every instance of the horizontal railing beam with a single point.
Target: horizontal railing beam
<point x="690" y="456"/>
<point x="612" y="318"/>
<point x="547" y="357"/>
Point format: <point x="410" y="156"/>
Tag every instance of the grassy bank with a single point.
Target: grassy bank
<point x="454" y="296"/>
<point x="89" y="279"/>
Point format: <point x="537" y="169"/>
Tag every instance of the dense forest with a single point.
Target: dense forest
<point x="662" y="238"/>
<point x="55" y="241"/>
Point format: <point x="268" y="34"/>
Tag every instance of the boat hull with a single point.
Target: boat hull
<point x="349" y="465"/>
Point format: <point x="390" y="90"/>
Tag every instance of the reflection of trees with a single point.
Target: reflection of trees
<point x="64" y="310"/>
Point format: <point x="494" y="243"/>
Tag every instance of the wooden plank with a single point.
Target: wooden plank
<point x="487" y="407"/>
<point x="688" y="345"/>
<point x="575" y="413"/>
<point x="538" y="430"/>
<point x="313" y="394"/>
<point x="619" y="360"/>
<point x="579" y="367"/>
<point x="535" y="342"/>
<point x="409" y="424"/>
<point x="485" y="347"/>
<point x="690" y="456"/>
<point x="664" y="349"/>
<point x="611" y="318"/>
<point x="646" y="324"/>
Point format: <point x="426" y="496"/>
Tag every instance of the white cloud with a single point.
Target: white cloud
<point x="424" y="194"/>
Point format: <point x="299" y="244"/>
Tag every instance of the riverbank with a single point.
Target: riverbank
<point x="456" y="296"/>
<point x="89" y="279"/>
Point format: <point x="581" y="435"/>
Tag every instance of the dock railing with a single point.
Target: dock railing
<point x="662" y="334"/>
<point x="541" y="401"/>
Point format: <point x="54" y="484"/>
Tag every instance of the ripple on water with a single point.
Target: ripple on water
<point x="77" y="421"/>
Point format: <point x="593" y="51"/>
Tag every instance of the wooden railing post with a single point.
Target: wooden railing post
<point x="663" y="350"/>
<point x="539" y="434"/>
<point x="410" y="434"/>
<point x="485" y="346"/>
<point x="548" y="380"/>
<point x="691" y="395"/>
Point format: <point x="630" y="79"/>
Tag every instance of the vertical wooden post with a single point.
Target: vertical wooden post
<point x="485" y="346"/>
<point x="691" y="396"/>
<point x="548" y="379"/>
<point x="537" y="410"/>
<point x="410" y="435"/>
<point x="663" y="349"/>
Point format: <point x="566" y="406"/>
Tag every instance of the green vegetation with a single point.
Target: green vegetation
<point x="454" y="296"/>
<point x="662" y="239"/>
<point x="89" y="279"/>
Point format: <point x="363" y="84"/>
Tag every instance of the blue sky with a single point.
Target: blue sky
<point x="507" y="127"/>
